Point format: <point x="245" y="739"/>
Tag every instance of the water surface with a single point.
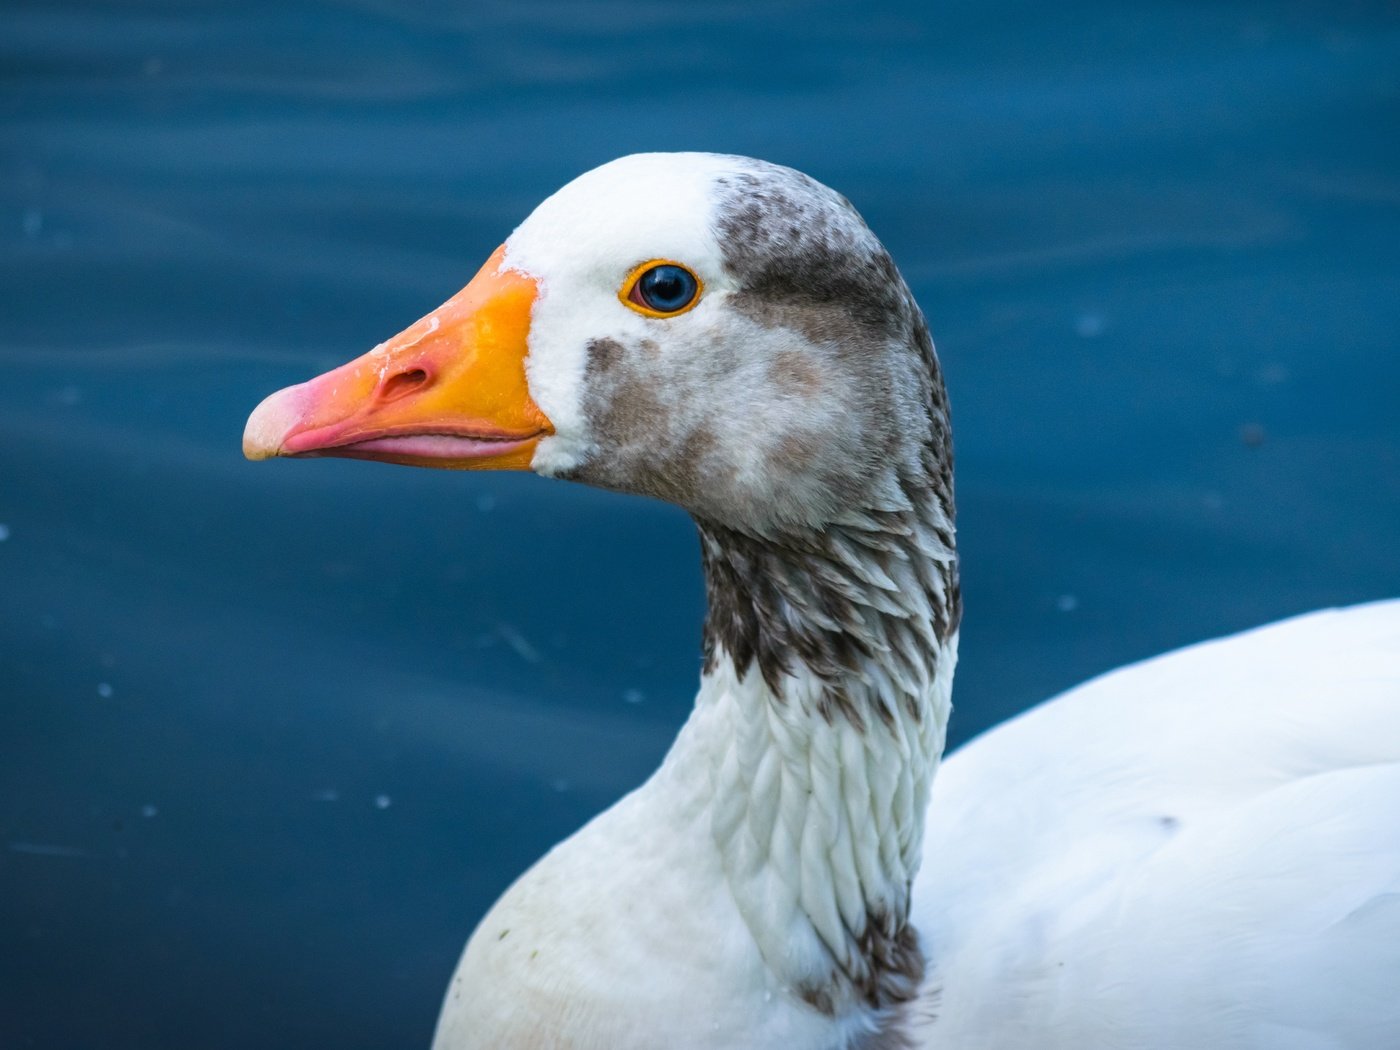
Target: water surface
<point x="275" y="736"/>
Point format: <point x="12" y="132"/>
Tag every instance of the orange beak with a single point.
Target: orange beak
<point x="449" y="391"/>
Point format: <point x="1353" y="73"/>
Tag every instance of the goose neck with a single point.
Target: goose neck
<point x="817" y="730"/>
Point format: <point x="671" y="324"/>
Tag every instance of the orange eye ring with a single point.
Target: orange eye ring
<point x="633" y="293"/>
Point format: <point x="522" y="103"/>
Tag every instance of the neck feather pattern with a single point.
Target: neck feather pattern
<point x="829" y="656"/>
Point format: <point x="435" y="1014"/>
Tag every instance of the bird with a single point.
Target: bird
<point x="1198" y="850"/>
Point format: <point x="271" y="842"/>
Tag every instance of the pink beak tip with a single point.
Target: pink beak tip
<point x="271" y="422"/>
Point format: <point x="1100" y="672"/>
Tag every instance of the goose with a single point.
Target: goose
<point x="1200" y="850"/>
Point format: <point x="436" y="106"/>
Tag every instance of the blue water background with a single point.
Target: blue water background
<point x="273" y="736"/>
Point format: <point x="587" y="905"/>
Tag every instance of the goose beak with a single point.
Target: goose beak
<point x="449" y="391"/>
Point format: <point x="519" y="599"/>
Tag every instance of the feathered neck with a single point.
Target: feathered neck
<point x="820" y="722"/>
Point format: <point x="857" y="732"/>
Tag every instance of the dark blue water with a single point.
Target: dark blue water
<point x="272" y="737"/>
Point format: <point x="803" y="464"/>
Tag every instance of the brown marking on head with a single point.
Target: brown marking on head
<point x="797" y="373"/>
<point x="691" y="454"/>
<point x="645" y="445"/>
<point x="805" y="259"/>
<point x="604" y="355"/>
<point x="795" y="453"/>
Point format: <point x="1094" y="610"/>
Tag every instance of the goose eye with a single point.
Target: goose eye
<point x="661" y="289"/>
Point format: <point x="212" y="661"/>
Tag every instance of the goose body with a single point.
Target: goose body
<point x="1202" y="849"/>
<point x="1199" y="850"/>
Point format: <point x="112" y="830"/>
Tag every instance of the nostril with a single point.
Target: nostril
<point x="396" y="386"/>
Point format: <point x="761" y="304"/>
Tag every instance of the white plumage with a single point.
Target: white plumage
<point x="1200" y="850"/>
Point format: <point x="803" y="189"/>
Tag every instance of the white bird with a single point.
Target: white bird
<point x="1198" y="851"/>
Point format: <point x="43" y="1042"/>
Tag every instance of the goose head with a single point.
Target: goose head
<point x="714" y="331"/>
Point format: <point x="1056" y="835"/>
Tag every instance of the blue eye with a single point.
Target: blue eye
<point x="665" y="288"/>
